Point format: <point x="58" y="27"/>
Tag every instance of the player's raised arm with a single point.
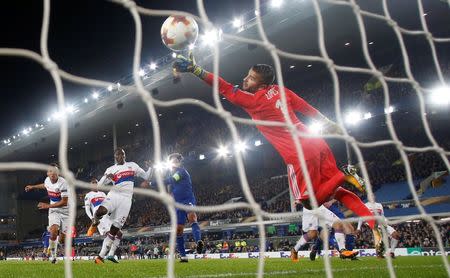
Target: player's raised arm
<point x="106" y="179"/>
<point x="87" y="207"/>
<point x="231" y="92"/>
<point x="34" y="187"/>
<point x="302" y="106"/>
<point x="143" y="174"/>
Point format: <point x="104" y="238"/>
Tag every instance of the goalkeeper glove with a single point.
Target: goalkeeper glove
<point x="332" y="127"/>
<point x="183" y="64"/>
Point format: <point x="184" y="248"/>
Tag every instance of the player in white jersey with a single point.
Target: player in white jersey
<point x="327" y="220"/>
<point x="92" y="202"/>
<point x="377" y="209"/>
<point x="58" y="211"/>
<point x="118" y="201"/>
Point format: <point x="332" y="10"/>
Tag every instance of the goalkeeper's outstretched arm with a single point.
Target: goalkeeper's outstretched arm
<point x="231" y="92"/>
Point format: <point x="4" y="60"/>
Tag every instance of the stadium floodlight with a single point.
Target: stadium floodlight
<point x="292" y="67"/>
<point x="191" y="46"/>
<point x="70" y="109"/>
<point x="110" y="88"/>
<point x="237" y="23"/>
<point x="212" y="36"/>
<point x="86" y="100"/>
<point x="353" y="117"/>
<point x="256" y="13"/>
<point x="49" y="119"/>
<point x="258" y="143"/>
<point x="347" y="44"/>
<point x="309" y="65"/>
<point x="276" y="3"/>
<point x="25" y="131"/>
<point x="56" y="115"/>
<point x="389" y="110"/>
<point x="159" y="166"/>
<point x="36" y="125"/>
<point x="153" y="66"/>
<point x="141" y="72"/>
<point x="95" y="95"/>
<point x="222" y="151"/>
<point x="241" y="146"/>
<point x="174" y="55"/>
<point x="370" y="43"/>
<point x="367" y="116"/>
<point x="201" y="157"/>
<point x="440" y="96"/>
<point x="316" y="127"/>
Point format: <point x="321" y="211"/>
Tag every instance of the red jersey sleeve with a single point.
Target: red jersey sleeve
<point x="232" y="93"/>
<point x="300" y="105"/>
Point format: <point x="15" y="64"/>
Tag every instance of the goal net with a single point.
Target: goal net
<point x="380" y="79"/>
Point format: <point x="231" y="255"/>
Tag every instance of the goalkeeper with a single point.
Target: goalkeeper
<point x="261" y="99"/>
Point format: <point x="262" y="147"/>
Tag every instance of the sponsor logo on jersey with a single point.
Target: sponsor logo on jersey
<point x="124" y="176"/>
<point x="54" y="196"/>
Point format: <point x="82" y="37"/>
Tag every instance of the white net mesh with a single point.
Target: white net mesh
<point x="44" y="58"/>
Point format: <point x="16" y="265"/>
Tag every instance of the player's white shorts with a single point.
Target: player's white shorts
<point x="60" y="219"/>
<point x="390" y="230"/>
<point x="118" y="207"/>
<point x="105" y="225"/>
<point x="312" y="222"/>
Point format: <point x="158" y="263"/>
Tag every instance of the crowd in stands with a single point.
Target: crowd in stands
<point x="413" y="234"/>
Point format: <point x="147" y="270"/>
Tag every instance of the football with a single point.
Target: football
<point x="178" y="32"/>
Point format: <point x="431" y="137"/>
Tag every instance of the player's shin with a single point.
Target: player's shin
<point x="340" y="239"/>
<point x="114" y="245"/>
<point x="107" y="242"/>
<point x="301" y="242"/>
<point x="53" y="247"/>
<point x="394" y="243"/>
<point x="180" y="246"/>
<point x="350" y="242"/>
<point x="196" y="231"/>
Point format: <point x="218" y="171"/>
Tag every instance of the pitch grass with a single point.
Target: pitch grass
<point x="411" y="267"/>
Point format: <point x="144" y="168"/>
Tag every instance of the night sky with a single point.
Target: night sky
<point x="90" y="38"/>
<point x="94" y="39"/>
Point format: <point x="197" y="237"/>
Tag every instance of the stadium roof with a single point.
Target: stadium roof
<point x="291" y="29"/>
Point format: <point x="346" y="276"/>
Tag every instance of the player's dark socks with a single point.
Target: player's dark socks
<point x="196" y="231"/>
<point x="350" y="242"/>
<point x="354" y="203"/>
<point x="180" y="246"/>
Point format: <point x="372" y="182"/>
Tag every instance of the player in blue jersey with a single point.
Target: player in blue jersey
<point x="45" y="242"/>
<point x="180" y="185"/>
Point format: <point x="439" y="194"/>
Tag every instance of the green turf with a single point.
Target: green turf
<point x="411" y="267"/>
